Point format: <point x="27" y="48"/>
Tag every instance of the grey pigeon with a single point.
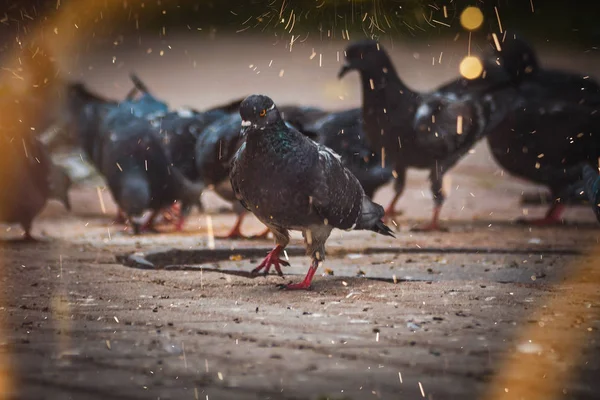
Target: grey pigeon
<point x="292" y="183"/>
<point x="389" y="111"/>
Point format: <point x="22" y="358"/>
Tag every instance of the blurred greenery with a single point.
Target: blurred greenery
<point x="574" y="22"/>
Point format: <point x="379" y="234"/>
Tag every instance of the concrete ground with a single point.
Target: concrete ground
<point x="426" y="315"/>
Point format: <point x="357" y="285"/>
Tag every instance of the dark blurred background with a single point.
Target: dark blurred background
<point x="573" y="22"/>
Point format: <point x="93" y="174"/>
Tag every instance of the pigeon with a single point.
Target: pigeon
<point x="591" y="180"/>
<point x="389" y="112"/>
<point x="553" y="128"/>
<point x="25" y="178"/>
<point x="291" y="182"/>
<point x="129" y="153"/>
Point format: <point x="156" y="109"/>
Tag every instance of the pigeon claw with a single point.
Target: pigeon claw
<point x="305" y="284"/>
<point x="262" y="235"/>
<point x="271" y="260"/>
<point x="553" y="217"/>
<point x="121" y="218"/>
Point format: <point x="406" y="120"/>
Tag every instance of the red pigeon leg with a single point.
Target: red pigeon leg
<point x="148" y="226"/>
<point x="433" y="225"/>
<point x="389" y="211"/>
<point x="177" y="212"/>
<point x="235" y="232"/>
<point x="272" y="259"/>
<point x="262" y="235"/>
<point x="121" y="217"/>
<point x="305" y="284"/>
<point x="553" y="216"/>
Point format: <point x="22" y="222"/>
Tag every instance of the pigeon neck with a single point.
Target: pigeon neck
<point x="272" y="135"/>
<point x="378" y="81"/>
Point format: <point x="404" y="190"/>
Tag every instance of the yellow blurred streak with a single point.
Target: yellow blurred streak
<point x="552" y="349"/>
<point x="471" y="18"/>
<point x="30" y="70"/>
<point x="471" y="67"/>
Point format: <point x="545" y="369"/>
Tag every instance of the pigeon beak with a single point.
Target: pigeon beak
<point x="344" y="70"/>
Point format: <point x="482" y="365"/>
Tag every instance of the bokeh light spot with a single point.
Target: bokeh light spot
<point x="471" y="67"/>
<point x="471" y="18"/>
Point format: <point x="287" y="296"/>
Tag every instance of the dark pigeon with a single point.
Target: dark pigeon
<point x="553" y="128"/>
<point x="129" y="153"/>
<point x="292" y="183"/>
<point x="389" y="111"/>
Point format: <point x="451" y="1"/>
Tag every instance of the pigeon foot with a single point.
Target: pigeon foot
<point x="262" y="235"/>
<point x="305" y="284"/>
<point x="553" y="217"/>
<point x="434" y="225"/>
<point x="271" y="260"/>
<point x="121" y="218"/>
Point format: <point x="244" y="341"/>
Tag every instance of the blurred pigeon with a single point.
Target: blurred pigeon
<point x="448" y="125"/>
<point x="553" y="128"/>
<point x="27" y="107"/>
<point x="129" y="153"/>
<point x="146" y="104"/>
<point x="292" y="183"/>
<point x="24" y="178"/>
<point x="179" y="131"/>
<point x="591" y="180"/>
<point x="389" y="111"/>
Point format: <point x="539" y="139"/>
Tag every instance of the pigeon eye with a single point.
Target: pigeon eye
<point x="263" y="113"/>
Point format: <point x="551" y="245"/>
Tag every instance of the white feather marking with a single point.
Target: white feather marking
<point x="272" y="107"/>
<point x="423" y="111"/>
<point x="185" y="113"/>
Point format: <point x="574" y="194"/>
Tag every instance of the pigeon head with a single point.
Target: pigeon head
<point x="258" y="111"/>
<point x="364" y="55"/>
<point x="516" y="56"/>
